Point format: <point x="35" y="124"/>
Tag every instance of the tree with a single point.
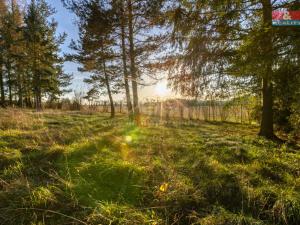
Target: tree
<point x="139" y="19"/>
<point x="59" y="83"/>
<point x="30" y="64"/>
<point x="95" y="51"/>
<point x="144" y="44"/>
<point x="131" y="24"/>
<point x="3" y="12"/>
<point x="133" y="71"/>
<point x="223" y="39"/>
<point x="44" y="65"/>
<point x="121" y="22"/>
<point x="12" y="48"/>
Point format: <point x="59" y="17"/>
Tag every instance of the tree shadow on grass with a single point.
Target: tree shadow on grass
<point x="28" y="190"/>
<point x="67" y="179"/>
<point x="97" y="173"/>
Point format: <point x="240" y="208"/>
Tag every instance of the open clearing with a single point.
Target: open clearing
<point x="76" y="168"/>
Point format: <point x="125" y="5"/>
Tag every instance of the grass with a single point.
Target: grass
<point x="75" y="168"/>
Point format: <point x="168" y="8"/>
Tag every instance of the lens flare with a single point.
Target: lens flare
<point x="161" y="89"/>
<point x="128" y="139"/>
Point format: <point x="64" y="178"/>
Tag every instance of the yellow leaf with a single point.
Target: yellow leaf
<point x="164" y="187"/>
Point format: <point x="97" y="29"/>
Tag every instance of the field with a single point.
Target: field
<point x="84" y="168"/>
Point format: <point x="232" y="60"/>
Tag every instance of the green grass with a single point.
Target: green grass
<point x="76" y="168"/>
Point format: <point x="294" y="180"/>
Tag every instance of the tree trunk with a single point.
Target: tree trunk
<point x="27" y="96"/>
<point x="266" y="128"/>
<point x="2" y="84"/>
<point x="38" y="99"/>
<point x="124" y="59"/>
<point x="111" y="101"/>
<point x="132" y="65"/>
<point x="38" y="106"/>
<point x="20" y="91"/>
<point x="9" y="82"/>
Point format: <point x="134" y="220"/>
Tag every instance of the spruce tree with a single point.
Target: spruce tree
<point x="42" y="48"/>
<point x="12" y="48"/>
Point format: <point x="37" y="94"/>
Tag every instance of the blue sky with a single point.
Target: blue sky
<point x="67" y="24"/>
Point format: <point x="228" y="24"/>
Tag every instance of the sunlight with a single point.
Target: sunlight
<point x="124" y="151"/>
<point x="128" y="139"/>
<point x="161" y="89"/>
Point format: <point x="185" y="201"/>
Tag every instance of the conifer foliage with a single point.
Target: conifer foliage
<point x="96" y="54"/>
<point x="30" y="66"/>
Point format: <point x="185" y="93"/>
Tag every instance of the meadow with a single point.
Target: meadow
<point x="59" y="167"/>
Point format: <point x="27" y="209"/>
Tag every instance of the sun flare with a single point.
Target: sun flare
<point x="161" y="89"/>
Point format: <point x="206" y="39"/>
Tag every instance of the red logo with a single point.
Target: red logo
<point x="286" y="15"/>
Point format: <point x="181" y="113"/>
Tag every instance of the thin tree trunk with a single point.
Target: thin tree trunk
<point x="132" y="65"/>
<point x="20" y="91"/>
<point x="36" y="101"/>
<point x="111" y="101"/>
<point x="27" y="97"/>
<point x="124" y="59"/>
<point x="38" y="105"/>
<point x="2" y="84"/>
<point x="9" y="83"/>
<point x="266" y="128"/>
<point x="38" y="98"/>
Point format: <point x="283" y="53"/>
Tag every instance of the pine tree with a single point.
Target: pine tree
<point x="43" y="62"/>
<point x="95" y="52"/>
<point x="144" y="44"/>
<point x="18" y="49"/>
<point x="122" y="23"/>
<point x="131" y="24"/>
<point x="12" y="48"/>
<point x="133" y="70"/>
<point x="118" y="25"/>
<point x="3" y="12"/>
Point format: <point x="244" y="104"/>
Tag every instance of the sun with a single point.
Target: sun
<point x="161" y="89"/>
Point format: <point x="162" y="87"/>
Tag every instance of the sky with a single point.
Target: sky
<point x="67" y="24"/>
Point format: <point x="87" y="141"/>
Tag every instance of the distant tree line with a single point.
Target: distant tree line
<point x="30" y="65"/>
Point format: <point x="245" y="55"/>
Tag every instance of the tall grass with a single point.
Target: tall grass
<point x="73" y="168"/>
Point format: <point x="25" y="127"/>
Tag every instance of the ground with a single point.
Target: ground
<point x="84" y="168"/>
